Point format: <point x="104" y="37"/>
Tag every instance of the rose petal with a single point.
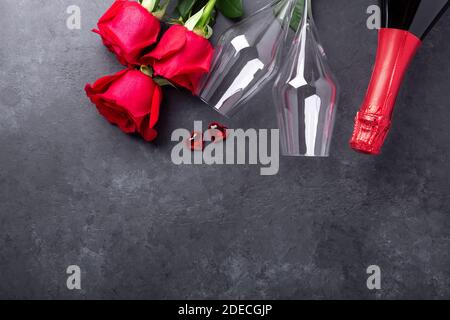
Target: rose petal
<point x="128" y="99"/>
<point x="128" y="29"/>
<point x="182" y="57"/>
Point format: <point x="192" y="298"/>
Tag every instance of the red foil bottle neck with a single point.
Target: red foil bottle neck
<point x="396" y="49"/>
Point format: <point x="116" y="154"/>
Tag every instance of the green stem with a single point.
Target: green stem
<point x="206" y="17"/>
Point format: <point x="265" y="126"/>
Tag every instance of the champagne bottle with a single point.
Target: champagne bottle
<point x="405" y="23"/>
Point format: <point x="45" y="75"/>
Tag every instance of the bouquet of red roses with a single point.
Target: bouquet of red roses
<point x="131" y="99"/>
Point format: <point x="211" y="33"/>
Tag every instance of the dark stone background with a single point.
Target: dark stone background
<point x="75" y="190"/>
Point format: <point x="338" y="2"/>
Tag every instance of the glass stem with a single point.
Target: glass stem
<point x="307" y="16"/>
<point x="309" y="8"/>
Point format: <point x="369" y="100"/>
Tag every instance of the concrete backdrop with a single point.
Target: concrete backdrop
<point x="75" y="190"/>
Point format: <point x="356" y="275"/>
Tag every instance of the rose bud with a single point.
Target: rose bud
<point x="127" y="29"/>
<point x="182" y="57"/>
<point x="129" y="99"/>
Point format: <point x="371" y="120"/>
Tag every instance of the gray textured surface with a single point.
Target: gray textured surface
<point x="75" y="190"/>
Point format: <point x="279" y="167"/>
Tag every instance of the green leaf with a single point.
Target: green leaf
<point x="161" y="9"/>
<point x="298" y="14"/>
<point x="185" y="7"/>
<point x="205" y="32"/>
<point x="150" y="5"/>
<point x="231" y="8"/>
<point x="199" y="4"/>
<point x="147" y="70"/>
<point x="193" y="21"/>
<point x="163" y="82"/>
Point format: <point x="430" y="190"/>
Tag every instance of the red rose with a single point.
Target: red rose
<point x="127" y="28"/>
<point x="181" y="57"/>
<point x="128" y="99"/>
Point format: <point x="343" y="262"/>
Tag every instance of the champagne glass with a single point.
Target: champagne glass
<point x="306" y="94"/>
<point x="246" y="57"/>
